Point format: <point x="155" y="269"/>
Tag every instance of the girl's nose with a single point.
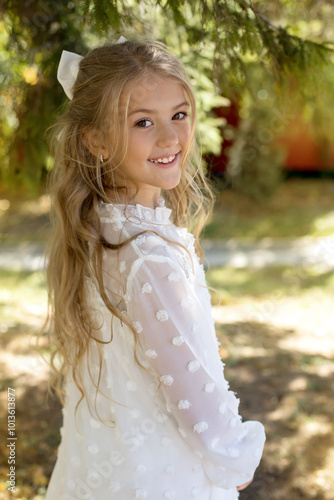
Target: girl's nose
<point x="167" y="136"/>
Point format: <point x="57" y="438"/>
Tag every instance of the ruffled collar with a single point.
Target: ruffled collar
<point x="138" y="213"/>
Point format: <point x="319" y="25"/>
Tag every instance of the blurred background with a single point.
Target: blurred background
<point x="264" y="78"/>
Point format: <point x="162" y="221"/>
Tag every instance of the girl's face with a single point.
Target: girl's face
<point x="159" y="130"/>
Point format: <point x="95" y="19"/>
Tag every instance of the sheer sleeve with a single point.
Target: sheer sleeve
<point x="164" y="307"/>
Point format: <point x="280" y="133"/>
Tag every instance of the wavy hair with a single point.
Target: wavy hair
<point x="78" y="182"/>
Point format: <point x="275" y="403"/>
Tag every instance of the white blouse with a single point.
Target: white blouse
<point x="172" y="428"/>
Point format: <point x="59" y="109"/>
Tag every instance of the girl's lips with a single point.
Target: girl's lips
<point x="165" y="165"/>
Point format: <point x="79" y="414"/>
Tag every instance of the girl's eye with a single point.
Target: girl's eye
<point x="181" y="115"/>
<point x="144" y="123"/>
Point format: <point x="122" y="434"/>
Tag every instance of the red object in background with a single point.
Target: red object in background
<point x="304" y="153"/>
<point x="218" y="164"/>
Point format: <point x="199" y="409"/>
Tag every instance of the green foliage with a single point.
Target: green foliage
<point x="235" y="27"/>
<point x="256" y="157"/>
<point x="255" y="166"/>
<point x="34" y="34"/>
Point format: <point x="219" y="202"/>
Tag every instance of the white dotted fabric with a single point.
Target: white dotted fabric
<point x="165" y="426"/>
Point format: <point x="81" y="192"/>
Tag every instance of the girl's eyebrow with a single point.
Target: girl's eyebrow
<point x="153" y="111"/>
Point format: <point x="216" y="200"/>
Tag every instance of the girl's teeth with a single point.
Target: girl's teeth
<point x="164" y="160"/>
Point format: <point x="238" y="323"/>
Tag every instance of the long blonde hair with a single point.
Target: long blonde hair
<point x="78" y="182"/>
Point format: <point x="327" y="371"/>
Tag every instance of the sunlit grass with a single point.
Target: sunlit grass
<point x="232" y="285"/>
<point x="300" y="207"/>
<point x="22" y="297"/>
<point x="324" y="224"/>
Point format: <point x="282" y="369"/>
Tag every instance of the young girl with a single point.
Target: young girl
<point x="148" y="412"/>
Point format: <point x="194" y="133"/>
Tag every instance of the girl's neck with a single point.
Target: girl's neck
<point x="146" y="198"/>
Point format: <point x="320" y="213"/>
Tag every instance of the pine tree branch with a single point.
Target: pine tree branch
<point x="316" y="45"/>
<point x="258" y="14"/>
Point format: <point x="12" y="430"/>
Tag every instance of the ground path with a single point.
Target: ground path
<point x="27" y="256"/>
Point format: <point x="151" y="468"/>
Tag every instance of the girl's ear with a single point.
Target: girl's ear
<point x="94" y="142"/>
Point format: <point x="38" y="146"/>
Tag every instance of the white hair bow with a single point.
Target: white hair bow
<point x="69" y="67"/>
<point x="68" y="71"/>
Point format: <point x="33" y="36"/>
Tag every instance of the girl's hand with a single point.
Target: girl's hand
<point x="240" y="488"/>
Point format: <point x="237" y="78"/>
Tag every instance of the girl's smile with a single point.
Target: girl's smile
<point x="164" y="160"/>
<point x="159" y="131"/>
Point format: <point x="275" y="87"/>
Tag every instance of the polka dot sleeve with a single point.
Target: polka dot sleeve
<point x="173" y="328"/>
